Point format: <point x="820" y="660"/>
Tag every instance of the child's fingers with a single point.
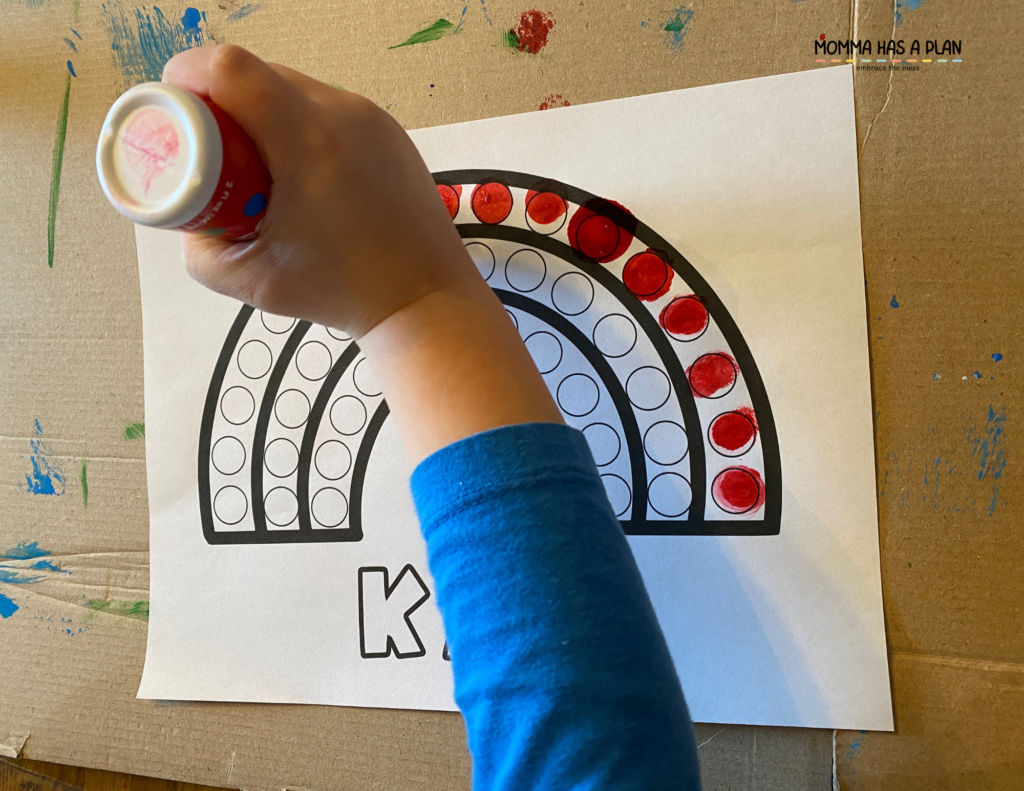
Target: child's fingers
<point x="222" y="266"/>
<point x="303" y="82"/>
<point x="260" y="99"/>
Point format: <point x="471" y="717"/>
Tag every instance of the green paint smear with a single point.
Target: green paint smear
<point x="510" y="39"/>
<point x="439" y="29"/>
<point x="126" y="609"/>
<point x="135" y="431"/>
<point x="58" y="163"/>
<point x="85" y="486"/>
<point x="75" y="7"/>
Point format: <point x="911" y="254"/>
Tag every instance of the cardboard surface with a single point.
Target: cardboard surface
<point x="941" y="210"/>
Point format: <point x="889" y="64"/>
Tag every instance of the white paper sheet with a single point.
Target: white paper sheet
<point x="752" y="183"/>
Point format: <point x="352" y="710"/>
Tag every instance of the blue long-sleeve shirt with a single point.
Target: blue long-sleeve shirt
<point x="561" y="670"/>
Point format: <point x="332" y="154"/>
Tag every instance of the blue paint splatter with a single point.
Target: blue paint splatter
<point x="72" y="70"/>
<point x="71" y="44"/>
<point x="976" y="374"/>
<point x="675" y="27"/>
<point x="997" y="357"/>
<point x="46" y="476"/>
<point x="906" y="5"/>
<point x="990" y="451"/>
<point x="143" y="41"/>
<point x="48" y="566"/>
<point x="12" y="577"/>
<point x="462" y="16"/>
<point x="7" y="607"/>
<point x="894" y="303"/>
<point x="936" y="377"/>
<point x="77" y="35"/>
<point x="26" y="551"/>
<point x="244" y="11"/>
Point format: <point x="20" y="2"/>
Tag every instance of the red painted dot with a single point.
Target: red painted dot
<point x="738" y="490"/>
<point x="733" y="432"/>
<point x="544" y="208"/>
<point x="597" y="236"/>
<point x="647" y="275"/>
<point x="684" y="317"/>
<point x="450" y="195"/>
<point x="712" y="375"/>
<point x="491" y="202"/>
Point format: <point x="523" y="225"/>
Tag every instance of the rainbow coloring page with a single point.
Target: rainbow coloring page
<point x="685" y="270"/>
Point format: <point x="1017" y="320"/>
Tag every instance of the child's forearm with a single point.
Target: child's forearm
<point x="453" y="365"/>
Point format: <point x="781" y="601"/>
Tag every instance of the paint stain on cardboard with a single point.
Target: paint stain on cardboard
<point x="902" y="6"/>
<point x="23" y="575"/>
<point x="553" y="100"/>
<point x="143" y="39"/>
<point x="432" y="32"/>
<point x="674" y="26"/>
<point x="531" y="34"/>
<point x="124" y="608"/>
<point x="58" y="165"/>
<point x="135" y="431"/>
<point x="7" y="607"/>
<point x="83" y="479"/>
<point x="952" y="474"/>
<point x="244" y="11"/>
<point x="26" y="551"/>
<point x="46" y="476"/>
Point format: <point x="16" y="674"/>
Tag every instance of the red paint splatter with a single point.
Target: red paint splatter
<point x="821" y="37"/>
<point x="685" y="318"/>
<point x="712" y="375"/>
<point x="450" y="194"/>
<point x="734" y="431"/>
<point x="553" y="100"/>
<point x="150" y="143"/>
<point x="596" y="236"/>
<point x="647" y="275"/>
<point x="533" y="30"/>
<point x="545" y="207"/>
<point x="738" y="490"/>
<point x="491" y="202"/>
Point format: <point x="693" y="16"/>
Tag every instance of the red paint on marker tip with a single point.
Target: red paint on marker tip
<point x="151" y="144"/>
<point x="738" y="490"/>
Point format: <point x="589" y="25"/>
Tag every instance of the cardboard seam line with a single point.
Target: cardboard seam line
<point x="888" y="91"/>
<point x="967" y="664"/>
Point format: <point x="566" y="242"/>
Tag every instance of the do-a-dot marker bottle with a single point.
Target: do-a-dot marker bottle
<point x="170" y="159"/>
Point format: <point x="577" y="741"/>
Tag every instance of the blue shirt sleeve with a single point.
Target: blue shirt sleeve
<point x="561" y="670"/>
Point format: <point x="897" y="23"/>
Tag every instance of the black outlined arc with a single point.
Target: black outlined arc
<point x="637" y="523"/>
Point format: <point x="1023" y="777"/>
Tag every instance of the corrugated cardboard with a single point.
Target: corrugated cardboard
<point x="942" y="224"/>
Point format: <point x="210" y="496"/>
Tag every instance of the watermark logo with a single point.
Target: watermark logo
<point x="895" y="54"/>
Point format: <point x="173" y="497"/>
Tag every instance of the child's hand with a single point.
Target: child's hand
<point x="356" y="237"/>
<point x="355" y="229"/>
